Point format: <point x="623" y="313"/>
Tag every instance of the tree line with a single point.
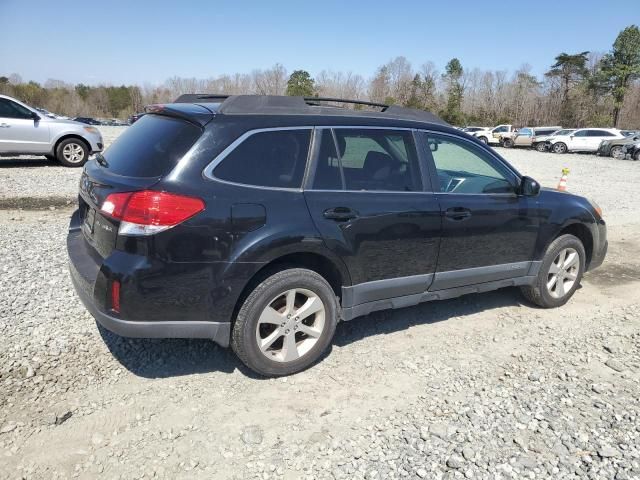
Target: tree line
<point x="578" y="89"/>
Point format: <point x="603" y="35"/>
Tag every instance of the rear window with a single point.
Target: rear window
<point x="274" y="158"/>
<point x="151" y="147"/>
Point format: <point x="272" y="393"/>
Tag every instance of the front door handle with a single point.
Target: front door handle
<point x="340" y="214"/>
<point x="457" y="213"/>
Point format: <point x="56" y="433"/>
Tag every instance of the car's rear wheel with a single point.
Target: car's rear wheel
<point x="484" y="140"/>
<point x="541" y="147"/>
<point x="560" y="273"/>
<point x="617" y="152"/>
<point x="507" y="143"/>
<point x="72" y="152"/>
<point x="636" y="156"/>
<point x="286" y="323"/>
<point x="559" y="147"/>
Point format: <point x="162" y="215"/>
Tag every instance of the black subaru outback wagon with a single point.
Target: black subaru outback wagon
<point x="262" y="221"/>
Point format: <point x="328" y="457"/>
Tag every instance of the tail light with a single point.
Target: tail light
<point x="148" y="211"/>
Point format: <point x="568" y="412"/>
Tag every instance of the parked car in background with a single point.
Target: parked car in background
<point x="583" y="140"/>
<point x="473" y="129"/>
<point x="25" y="131"/>
<point x="632" y="150"/>
<point x="135" y="117"/>
<point x="615" y="148"/>
<point x="261" y="222"/>
<point x="87" y="120"/>
<point x="494" y="135"/>
<point x="528" y="136"/>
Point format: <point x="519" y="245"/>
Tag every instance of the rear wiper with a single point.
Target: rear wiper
<point x="101" y="160"/>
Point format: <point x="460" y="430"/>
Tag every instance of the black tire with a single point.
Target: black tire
<point x="507" y="143"/>
<point x="559" y="147"/>
<point x="77" y="157"/>
<point x="636" y="156"/>
<point x="617" y="153"/>
<point x="484" y="140"/>
<point x="244" y="337"/>
<point x="541" y="147"/>
<point x="538" y="293"/>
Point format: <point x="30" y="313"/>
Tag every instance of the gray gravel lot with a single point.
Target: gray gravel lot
<point x="485" y="386"/>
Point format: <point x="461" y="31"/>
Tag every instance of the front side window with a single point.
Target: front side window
<point x="526" y="132"/>
<point x="268" y="159"/>
<point x="366" y="160"/>
<point x="464" y="168"/>
<point x="581" y="133"/>
<point x="9" y="109"/>
<point x="501" y="129"/>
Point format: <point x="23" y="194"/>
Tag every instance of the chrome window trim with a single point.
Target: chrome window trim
<point x="208" y="170"/>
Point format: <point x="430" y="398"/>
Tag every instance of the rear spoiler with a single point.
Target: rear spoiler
<point x="197" y="114"/>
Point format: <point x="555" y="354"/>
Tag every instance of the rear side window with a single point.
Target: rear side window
<point x="543" y="132"/>
<point x="151" y="147"/>
<point x="373" y="159"/>
<point x="268" y="159"/>
<point x="599" y="133"/>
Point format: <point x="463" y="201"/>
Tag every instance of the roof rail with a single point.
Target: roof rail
<point x="314" y="100"/>
<point x="291" y="105"/>
<point x="199" y="97"/>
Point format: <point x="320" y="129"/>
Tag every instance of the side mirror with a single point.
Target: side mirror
<point x="529" y="187"/>
<point x="35" y="116"/>
<point x="571" y="136"/>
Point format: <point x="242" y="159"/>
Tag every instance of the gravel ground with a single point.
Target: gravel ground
<point x="484" y="386"/>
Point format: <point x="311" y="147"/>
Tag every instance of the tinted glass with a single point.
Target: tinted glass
<point x="599" y="133"/>
<point x="267" y="159"/>
<point x="524" y="132"/>
<point x="151" y="147"/>
<point x="463" y="168"/>
<point x="544" y="132"/>
<point x="373" y="159"/>
<point x="581" y="133"/>
<point x="327" y="175"/>
<point x="9" y="109"/>
<point x="501" y="129"/>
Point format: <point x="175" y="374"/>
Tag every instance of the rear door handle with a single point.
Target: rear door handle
<point x="457" y="213"/>
<point x="340" y="214"/>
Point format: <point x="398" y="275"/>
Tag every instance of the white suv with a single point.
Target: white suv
<point x="25" y="131"/>
<point x="583" y="140"/>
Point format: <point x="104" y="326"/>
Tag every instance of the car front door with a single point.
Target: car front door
<point x="366" y="195"/>
<point x="578" y="141"/>
<point x="523" y="138"/>
<point x="489" y="232"/>
<point x="20" y="132"/>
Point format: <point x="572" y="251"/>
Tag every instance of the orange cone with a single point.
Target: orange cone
<point x="562" y="186"/>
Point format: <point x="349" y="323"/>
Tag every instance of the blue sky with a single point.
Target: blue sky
<point x="136" y="41"/>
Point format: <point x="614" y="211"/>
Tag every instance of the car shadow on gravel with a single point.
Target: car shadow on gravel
<point x="16" y="162"/>
<point x="390" y="321"/>
<point x="163" y="358"/>
<point x="171" y="357"/>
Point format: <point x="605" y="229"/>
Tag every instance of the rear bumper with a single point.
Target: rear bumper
<point x="85" y="269"/>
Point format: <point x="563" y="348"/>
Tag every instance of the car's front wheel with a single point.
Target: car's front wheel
<point x="286" y="323"/>
<point x="72" y="152"/>
<point x="560" y="273"/>
<point x="484" y="140"/>
<point x="560" y="147"/>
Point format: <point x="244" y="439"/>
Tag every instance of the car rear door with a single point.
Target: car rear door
<point x="366" y="195"/>
<point x="489" y="232"/>
<point x="523" y="137"/>
<point x="595" y="137"/>
<point x="19" y="131"/>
